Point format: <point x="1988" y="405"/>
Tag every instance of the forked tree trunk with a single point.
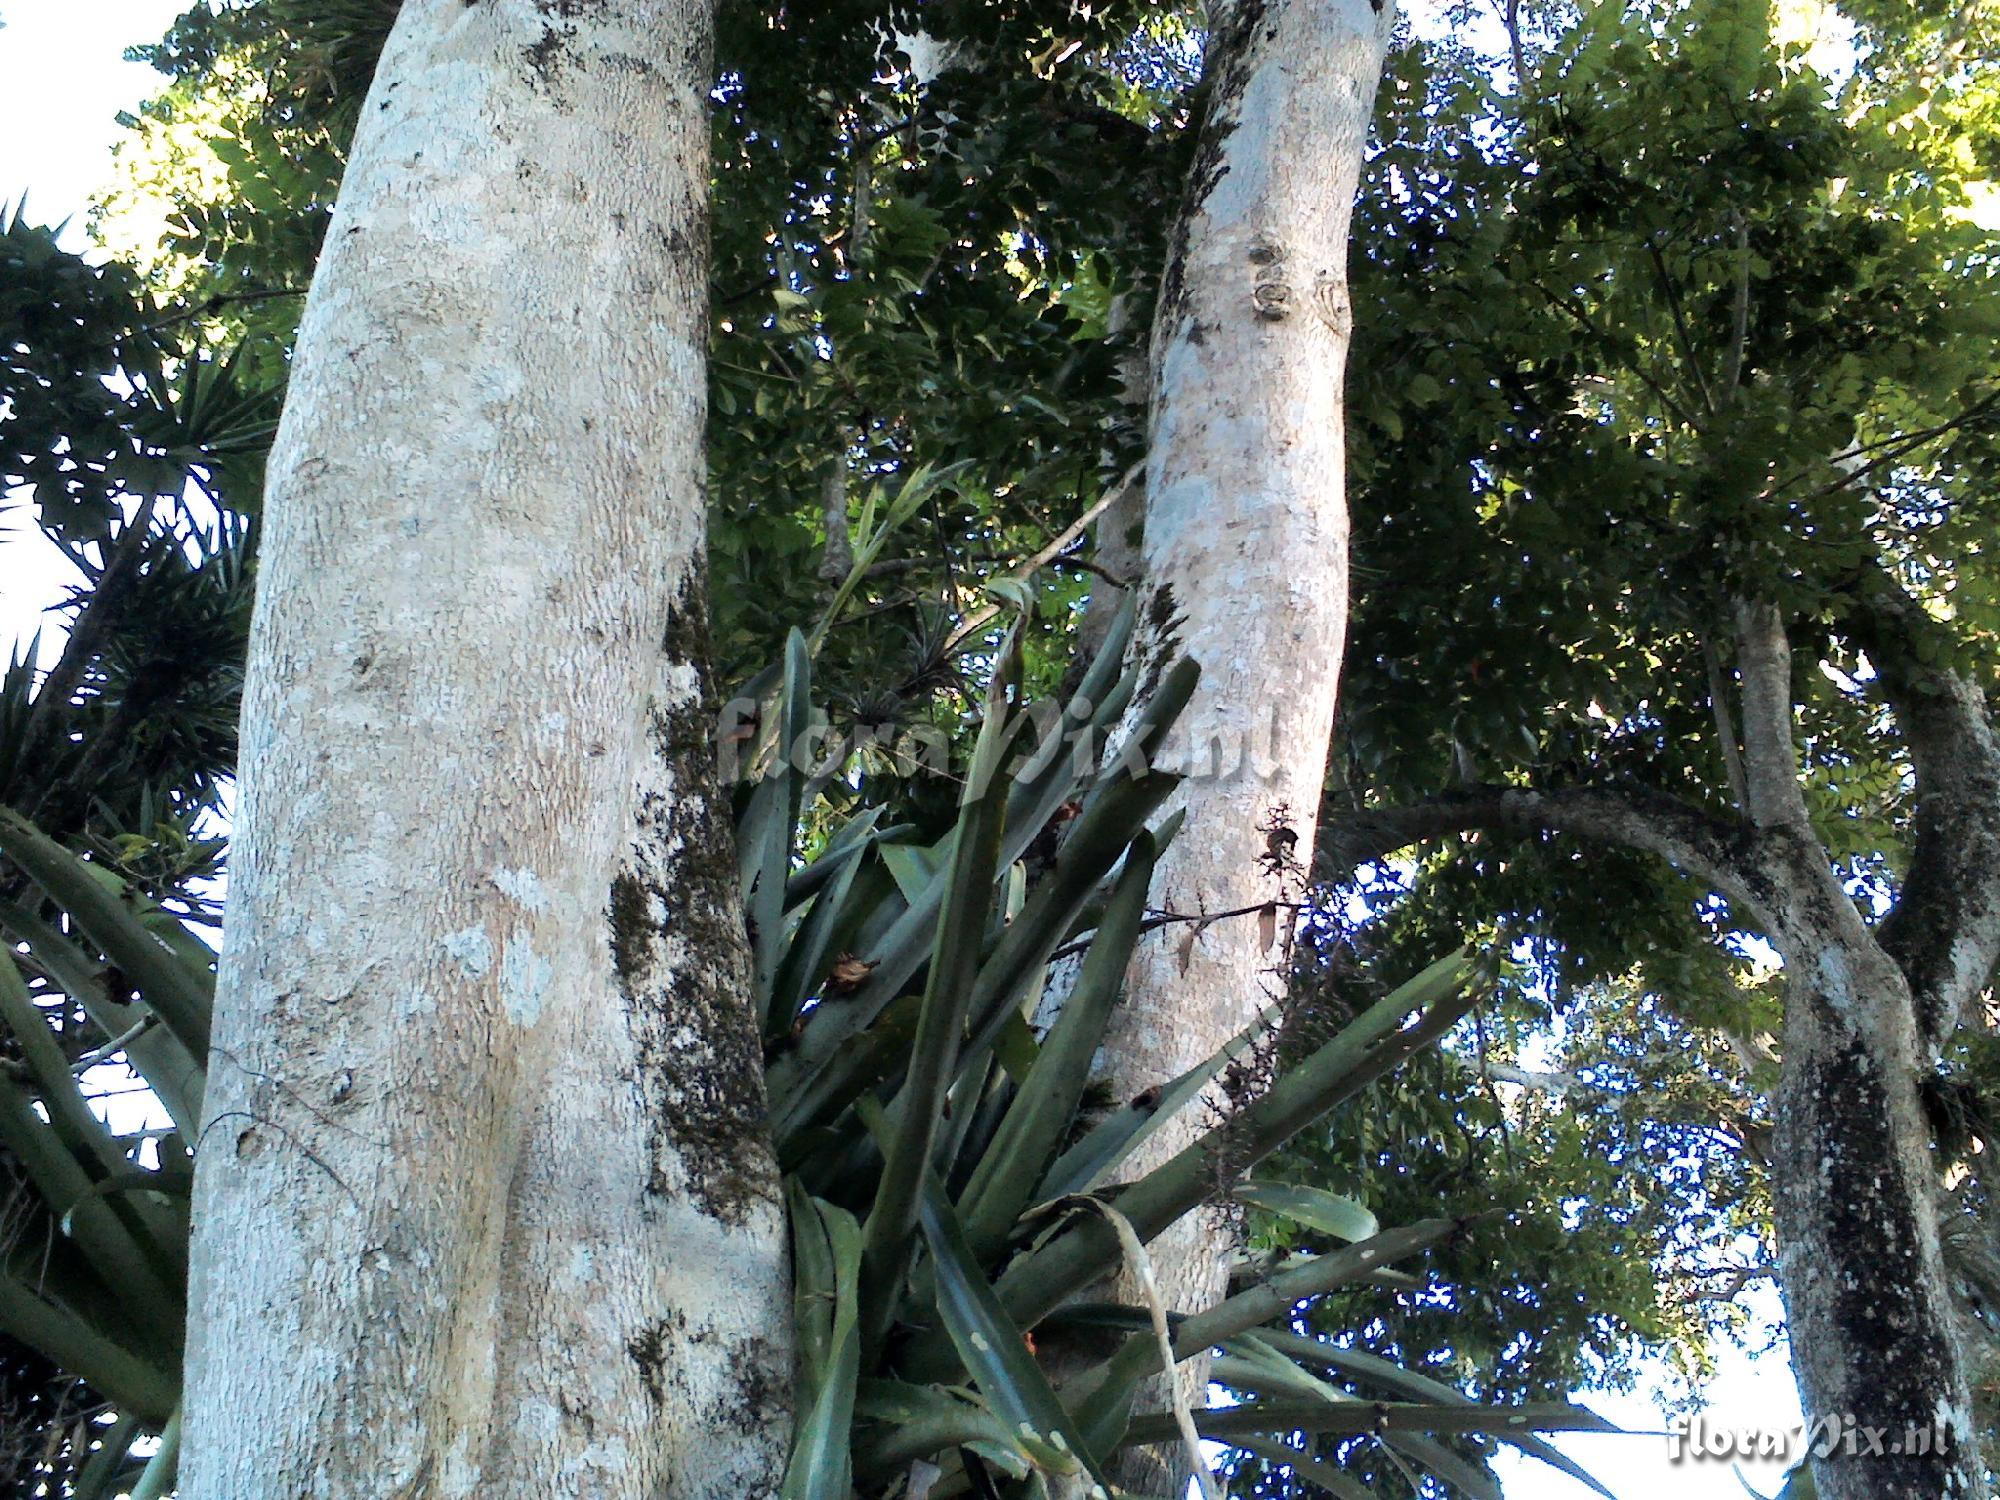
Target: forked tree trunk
<point x="483" y="1204"/>
<point x="1866" y="1235"/>
<point x="1856" y="1198"/>
<point x="1875" y="1335"/>
<point x="1245" y="537"/>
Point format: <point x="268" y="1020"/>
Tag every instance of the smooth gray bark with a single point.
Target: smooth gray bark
<point x="483" y="1203"/>
<point x="1245" y="546"/>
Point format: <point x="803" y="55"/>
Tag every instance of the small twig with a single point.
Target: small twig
<point x="882" y="133"/>
<point x="113" y="1047"/>
<point x="1056" y="547"/>
<point x="732" y="299"/>
<point x="221" y="300"/>
<point x="1169" y="918"/>
<point x="1088" y="565"/>
<point x="1735" y="1279"/>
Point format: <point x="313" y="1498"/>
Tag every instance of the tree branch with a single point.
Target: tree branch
<point x="1770" y="758"/>
<point x="1510" y="15"/>
<point x="1944" y="931"/>
<point x="1739" y="329"/>
<point x="220" y="300"/>
<point x="1056" y="547"/>
<point x="1562" y="1085"/>
<point x="1732" y="1280"/>
<point x="1729" y="856"/>
<point x="1686" y="338"/>
<point x="1582" y="318"/>
<point x="1725" y="725"/>
<point x="837" y="561"/>
<point x="1886" y="452"/>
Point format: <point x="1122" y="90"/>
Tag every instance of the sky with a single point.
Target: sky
<point x="63" y="83"/>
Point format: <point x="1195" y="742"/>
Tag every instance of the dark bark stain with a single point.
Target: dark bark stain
<point x="698" y="1065"/>
<point x="763" y="1393"/>
<point x="651" y="1349"/>
<point x="1230" y="66"/>
<point x="555" y="53"/>
<point x="1158" y="639"/>
<point x="548" y="57"/>
<point x="631" y="930"/>
<point x="628" y="62"/>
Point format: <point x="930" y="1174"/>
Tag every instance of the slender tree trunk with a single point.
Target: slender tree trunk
<point x="1245" y="538"/>
<point x="1120" y="534"/>
<point x="483" y="1204"/>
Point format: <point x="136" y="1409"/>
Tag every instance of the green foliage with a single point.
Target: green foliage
<point x="99" y="983"/>
<point x="910" y="1098"/>
<point x="228" y="177"/>
<point x="905" y="278"/>
<point x="899" y="279"/>
<point x="123" y="437"/>
<point x="125" y="441"/>
<point x="1552" y="362"/>
<point x="1671" y="321"/>
<point x="1568" y="446"/>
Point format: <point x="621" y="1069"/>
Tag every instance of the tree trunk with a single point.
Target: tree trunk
<point x="1878" y="1340"/>
<point x="1245" y="540"/>
<point x="1868" y="1303"/>
<point x="483" y="1204"/>
<point x="1869" y="1296"/>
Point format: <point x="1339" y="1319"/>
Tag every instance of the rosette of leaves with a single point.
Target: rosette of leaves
<point x="953" y="1192"/>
